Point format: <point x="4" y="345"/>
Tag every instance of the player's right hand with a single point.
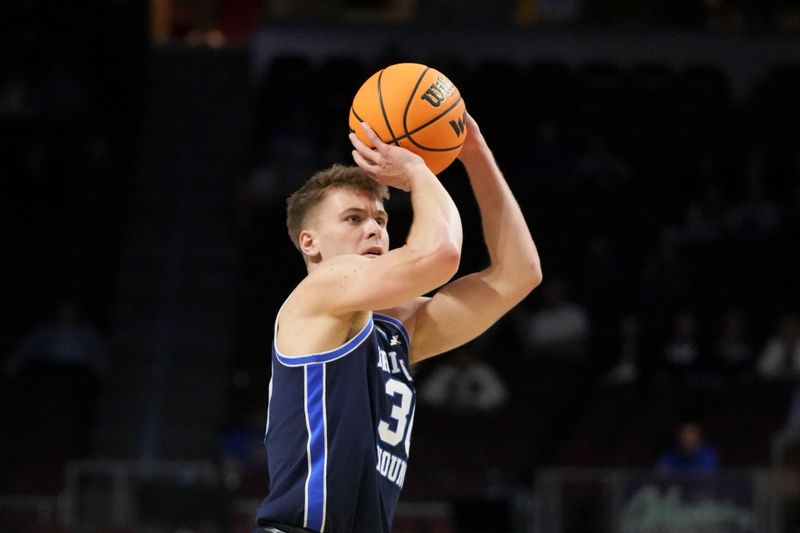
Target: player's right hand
<point x="389" y="164"/>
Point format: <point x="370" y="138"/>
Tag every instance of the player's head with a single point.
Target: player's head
<point x="338" y="210"/>
<point x="689" y="437"/>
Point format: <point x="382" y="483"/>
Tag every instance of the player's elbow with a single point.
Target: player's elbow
<point x="447" y="258"/>
<point x="536" y="276"/>
<point x="529" y="277"/>
<point x="433" y="265"/>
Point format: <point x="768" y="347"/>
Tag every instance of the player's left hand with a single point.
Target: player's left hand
<point x="474" y="143"/>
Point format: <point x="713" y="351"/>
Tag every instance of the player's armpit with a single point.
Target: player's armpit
<point x="460" y="311"/>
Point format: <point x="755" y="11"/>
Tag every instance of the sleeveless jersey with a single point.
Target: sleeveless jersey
<point x="338" y="432"/>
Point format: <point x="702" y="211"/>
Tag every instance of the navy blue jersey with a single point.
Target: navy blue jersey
<point x="338" y="432"/>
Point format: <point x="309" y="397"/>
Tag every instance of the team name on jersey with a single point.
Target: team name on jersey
<point x="391" y="467"/>
<point x="389" y="362"/>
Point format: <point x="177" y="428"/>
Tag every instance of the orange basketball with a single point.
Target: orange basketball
<point x="413" y="106"/>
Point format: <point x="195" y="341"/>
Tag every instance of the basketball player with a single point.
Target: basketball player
<point x="341" y="398"/>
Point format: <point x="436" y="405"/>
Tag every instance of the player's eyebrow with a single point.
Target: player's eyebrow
<point x="364" y="212"/>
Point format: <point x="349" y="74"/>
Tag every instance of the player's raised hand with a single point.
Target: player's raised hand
<point x="474" y="143"/>
<point x="388" y="164"/>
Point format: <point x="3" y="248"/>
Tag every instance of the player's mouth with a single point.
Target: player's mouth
<point x="373" y="251"/>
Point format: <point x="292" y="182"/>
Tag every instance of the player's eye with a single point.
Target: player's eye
<point x="381" y="221"/>
<point x="354" y="219"/>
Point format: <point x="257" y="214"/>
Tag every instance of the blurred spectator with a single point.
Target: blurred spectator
<point x="601" y="279"/>
<point x="690" y="452"/>
<point x="600" y="170"/>
<point x="666" y="277"/>
<point x="242" y="449"/>
<point x="286" y="157"/>
<point x="560" y="329"/>
<point x="55" y="374"/>
<point x="545" y="154"/>
<point x="264" y="188"/>
<point x="779" y="358"/>
<point x="792" y="422"/>
<point x="627" y="351"/>
<point x="758" y="205"/>
<point x="704" y="216"/>
<point x="463" y="382"/>
<point x="680" y="352"/>
<point x="14" y="93"/>
<point x="732" y="351"/>
<point x="68" y="340"/>
<point x="758" y="216"/>
<point x="59" y="94"/>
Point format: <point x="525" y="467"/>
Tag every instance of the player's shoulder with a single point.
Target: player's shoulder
<point x="304" y="325"/>
<point x="330" y="269"/>
<point x="319" y="290"/>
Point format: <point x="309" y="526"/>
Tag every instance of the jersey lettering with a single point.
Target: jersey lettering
<point x="393" y="360"/>
<point x="388" y="362"/>
<point x="391" y="467"/>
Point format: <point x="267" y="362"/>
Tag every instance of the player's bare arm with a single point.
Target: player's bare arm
<point x="339" y="291"/>
<point x="466" y="307"/>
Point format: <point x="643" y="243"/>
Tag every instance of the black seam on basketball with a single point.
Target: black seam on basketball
<point x="383" y="110"/>
<point x="360" y="120"/>
<point x="431" y="121"/>
<point x="427" y="149"/>
<point x="411" y="99"/>
<point x="408" y="136"/>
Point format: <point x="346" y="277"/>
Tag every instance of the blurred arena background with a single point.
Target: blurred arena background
<point x="147" y="151"/>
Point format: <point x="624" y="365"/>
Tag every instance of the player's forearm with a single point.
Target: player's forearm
<point x="510" y="245"/>
<point x="436" y="225"/>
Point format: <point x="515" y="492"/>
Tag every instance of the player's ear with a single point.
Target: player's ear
<point x="308" y="243"/>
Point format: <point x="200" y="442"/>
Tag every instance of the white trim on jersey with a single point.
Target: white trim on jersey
<point x="308" y="445"/>
<point x="316" y="485"/>
<point x="325" y="433"/>
<point x="326" y="356"/>
<point x="269" y="400"/>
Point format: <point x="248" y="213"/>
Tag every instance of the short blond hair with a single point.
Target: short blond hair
<point x="307" y="197"/>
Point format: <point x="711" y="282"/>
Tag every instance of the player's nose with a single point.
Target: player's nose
<point x="374" y="229"/>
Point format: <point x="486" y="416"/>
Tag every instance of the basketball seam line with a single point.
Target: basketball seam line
<point x="431" y="121"/>
<point x="411" y="99"/>
<point x="408" y="135"/>
<point x="434" y="119"/>
<point x="383" y="109"/>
